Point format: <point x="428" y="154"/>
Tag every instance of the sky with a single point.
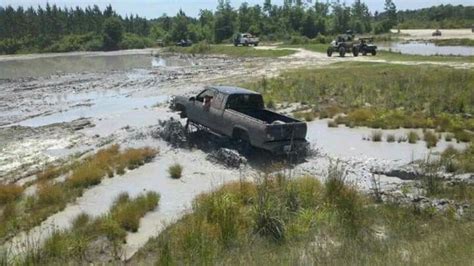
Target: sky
<point x="155" y="8"/>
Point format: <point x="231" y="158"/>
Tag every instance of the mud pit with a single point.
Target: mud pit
<point x="38" y="118"/>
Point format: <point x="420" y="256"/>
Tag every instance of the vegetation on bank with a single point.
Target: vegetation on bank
<point x="380" y="95"/>
<point x="302" y="221"/>
<point x="90" y="240"/>
<point x="22" y="212"/>
<point x="454" y="42"/>
<point x="397" y="56"/>
<point x="205" y="48"/>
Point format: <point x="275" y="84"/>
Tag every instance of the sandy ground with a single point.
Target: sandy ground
<point x="426" y="34"/>
<point x="38" y="124"/>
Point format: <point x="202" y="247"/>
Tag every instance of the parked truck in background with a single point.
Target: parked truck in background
<point x="245" y="39"/>
<point x="240" y="114"/>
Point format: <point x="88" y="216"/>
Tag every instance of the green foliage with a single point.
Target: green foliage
<point x="112" y="33"/>
<point x="396" y="95"/>
<point x="9" y="46"/>
<point x="175" y="171"/>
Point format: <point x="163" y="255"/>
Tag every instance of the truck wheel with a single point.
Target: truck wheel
<point x="256" y="44"/>
<point x="374" y="53"/>
<point x="242" y="141"/>
<point x="355" y="51"/>
<point x="342" y="51"/>
<point x="235" y="44"/>
<point x="329" y="52"/>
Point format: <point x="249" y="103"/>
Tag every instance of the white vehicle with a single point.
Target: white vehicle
<point x="245" y="39"/>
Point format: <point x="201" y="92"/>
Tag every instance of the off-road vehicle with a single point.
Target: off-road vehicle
<point x="343" y="44"/>
<point x="245" y="39"/>
<point x="240" y="115"/>
<point x="366" y="46"/>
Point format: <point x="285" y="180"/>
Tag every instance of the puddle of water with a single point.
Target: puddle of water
<point x="348" y="143"/>
<point x="97" y="105"/>
<point x="46" y="66"/>
<point x="426" y="48"/>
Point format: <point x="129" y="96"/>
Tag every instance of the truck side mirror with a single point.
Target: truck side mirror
<point x="192" y="99"/>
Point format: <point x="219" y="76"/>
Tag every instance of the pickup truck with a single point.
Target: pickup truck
<point x="240" y="114"/>
<point x="245" y="39"/>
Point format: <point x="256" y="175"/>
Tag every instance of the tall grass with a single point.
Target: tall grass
<point x="394" y="96"/>
<point x="78" y="245"/>
<point x="301" y="221"/>
<point x="52" y="197"/>
<point x="10" y="192"/>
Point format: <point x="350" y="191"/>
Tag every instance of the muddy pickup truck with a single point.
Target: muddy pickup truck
<point x="240" y="114"/>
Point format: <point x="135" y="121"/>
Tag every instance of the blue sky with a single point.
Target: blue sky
<point x="155" y="8"/>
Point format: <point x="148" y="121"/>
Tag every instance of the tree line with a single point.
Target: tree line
<point x="56" y="29"/>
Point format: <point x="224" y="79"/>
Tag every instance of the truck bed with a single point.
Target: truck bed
<point x="267" y="116"/>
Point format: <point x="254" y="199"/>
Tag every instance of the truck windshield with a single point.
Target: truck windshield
<point x="245" y="101"/>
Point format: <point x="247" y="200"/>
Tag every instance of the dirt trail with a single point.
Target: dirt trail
<point x="38" y="124"/>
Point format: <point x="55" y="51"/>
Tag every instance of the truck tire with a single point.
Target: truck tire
<point x="342" y="51"/>
<point x="242" y="141"/>
<point x="329" y="52"/>
<point x="236" y="44"/>
<point x="355" y="51"/>
<point x="256" y="44"/>
<point x="374" y="52"/>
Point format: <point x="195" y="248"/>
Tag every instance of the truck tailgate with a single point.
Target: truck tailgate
<point x="287" y="131"/>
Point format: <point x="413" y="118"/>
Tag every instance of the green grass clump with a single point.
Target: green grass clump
<point x="430" y="138"/>
<point x="128" y="213"/>
<point x="413" y="137"/>
<point x="175" y="171"/>
<point x="390" y="138"/>
<point x="459" y="161"/>
<point x="10" y="192"/>
<point x="109" y="231"/>
<point x="376" y="136"/>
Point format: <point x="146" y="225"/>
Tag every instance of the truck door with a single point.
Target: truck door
<point x="201" y="106"/>
<point x="216" y="112"/>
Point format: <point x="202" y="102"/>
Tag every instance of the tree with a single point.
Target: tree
<point x="180" y="27"/>
<point x="112" y="33"/>
<point x="224" y="21"/>
<point x="391" y="13"/>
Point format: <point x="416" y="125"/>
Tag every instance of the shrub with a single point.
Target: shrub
<point x="376" y="136"/>
<point x="332" y="123"/>
<point x="10" y="192"/>
<point x="201" y="48"/>
<point x="448" y="137"/>
<point x="412" y="137"/>
<point x="390" y="138"/>
<point x="430" y="138"/>
<point x="175" y="171"/>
